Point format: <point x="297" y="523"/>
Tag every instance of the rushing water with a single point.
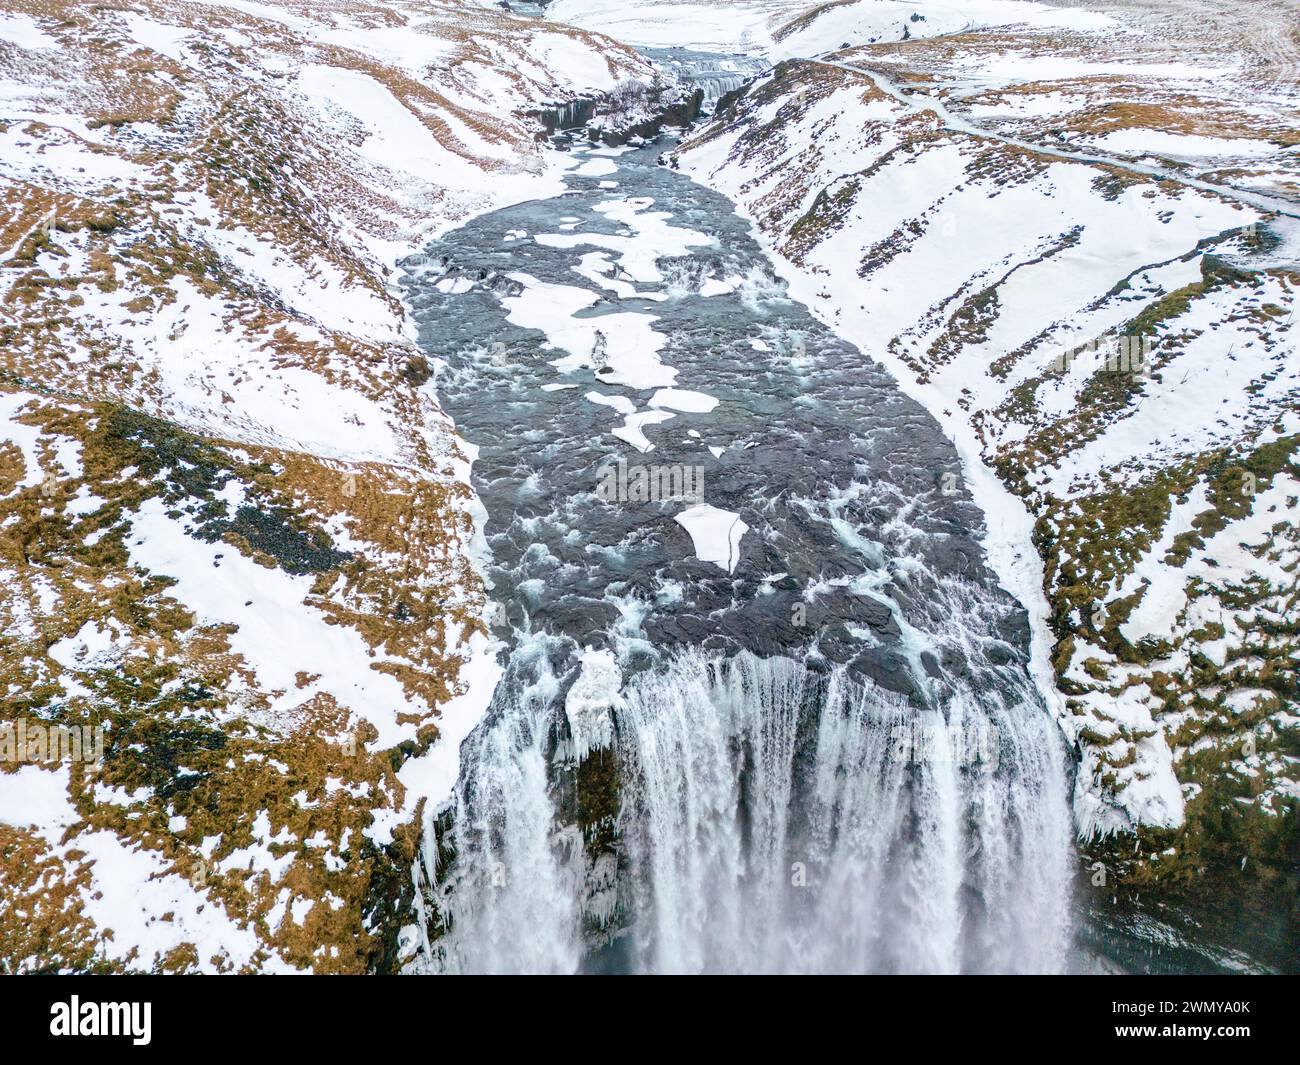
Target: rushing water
<point x="716" y="75"/>
<point x="822" y="754"/>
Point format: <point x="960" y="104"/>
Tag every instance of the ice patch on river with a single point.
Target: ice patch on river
<point x="649" y="237"/>
<point x="632" y="345"/>
<point x="632" y="432"/>
<point x="716" y="534"/>
<point x="683" y="399"/>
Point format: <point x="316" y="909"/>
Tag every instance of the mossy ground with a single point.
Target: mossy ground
<point x="188" y="735"/>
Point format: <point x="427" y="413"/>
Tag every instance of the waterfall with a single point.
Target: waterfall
<point x="511" y="889"/>
<point x="785" y="820"/>
<point x="717" y="84"/>
<point x="714" y="75"/>
<point x="773" y="818"/>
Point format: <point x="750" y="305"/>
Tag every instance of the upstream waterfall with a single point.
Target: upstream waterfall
<point x="714" y="75"/>
<point x="810" y="746"/>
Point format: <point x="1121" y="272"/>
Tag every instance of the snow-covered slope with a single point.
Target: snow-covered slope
<point x="780" y="29"/>
<point x="1074" y="244"/>
<point x="234" y="524"/>
<point x="852" y="23"/>
<point x="702" y="25"/>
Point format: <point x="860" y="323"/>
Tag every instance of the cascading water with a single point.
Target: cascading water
<point x="785" y="820"/>
<point x="515" y="902"/>
<point x="715" y="75"/>
<point x="821" y="752"/>
<point x="773" y="818"/>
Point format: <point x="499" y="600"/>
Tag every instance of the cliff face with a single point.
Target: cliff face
<point x="1080" y="254"/>
<point x="234" y="523"/>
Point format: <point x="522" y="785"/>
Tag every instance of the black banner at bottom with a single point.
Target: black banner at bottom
<point x="335" y="1015"/>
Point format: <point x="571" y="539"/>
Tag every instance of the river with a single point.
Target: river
<point x="764" y="707"/>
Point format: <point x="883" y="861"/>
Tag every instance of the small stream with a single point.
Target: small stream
<point x="764" y="708"/>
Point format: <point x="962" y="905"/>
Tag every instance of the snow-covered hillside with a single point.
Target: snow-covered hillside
<point x="234" y="523"/>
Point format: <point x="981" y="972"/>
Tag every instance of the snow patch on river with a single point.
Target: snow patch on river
<point x="716" y="534"/>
